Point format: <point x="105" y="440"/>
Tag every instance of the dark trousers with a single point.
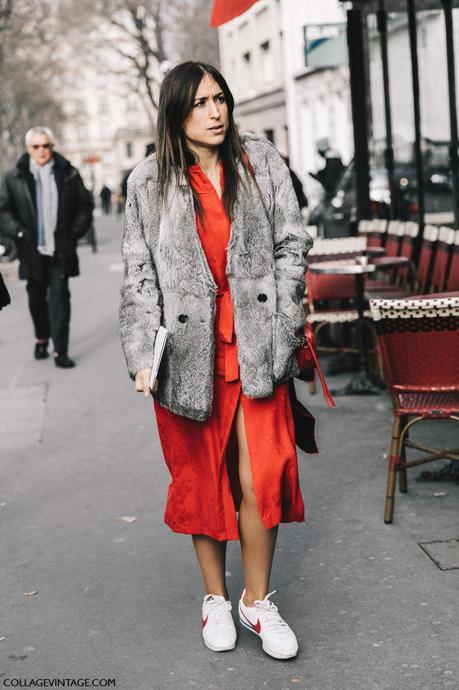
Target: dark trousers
<point x="49" y="304"/>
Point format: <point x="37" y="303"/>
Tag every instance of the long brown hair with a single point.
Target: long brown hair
<point x="176" y="100"/>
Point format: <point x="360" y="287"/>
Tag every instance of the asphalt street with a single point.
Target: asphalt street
<point x="94" y="585"/>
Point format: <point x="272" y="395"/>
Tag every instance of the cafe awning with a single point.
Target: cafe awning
<point x="225" y="10"/>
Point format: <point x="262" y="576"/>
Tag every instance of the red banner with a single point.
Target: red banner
<point x="225" y="10"/>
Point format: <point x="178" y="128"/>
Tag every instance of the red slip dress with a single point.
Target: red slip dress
<point x="204" y="494"/>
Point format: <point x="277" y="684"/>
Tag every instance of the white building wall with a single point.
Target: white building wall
<point x="249" y="65"/>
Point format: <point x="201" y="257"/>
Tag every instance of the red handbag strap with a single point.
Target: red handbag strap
<point x="327" y="395"/>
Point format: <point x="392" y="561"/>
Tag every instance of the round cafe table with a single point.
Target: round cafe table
<point x="362" y="383"/>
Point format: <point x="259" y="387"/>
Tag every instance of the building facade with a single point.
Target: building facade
<point x="106" y="129"/>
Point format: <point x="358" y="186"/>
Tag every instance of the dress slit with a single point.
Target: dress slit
<point x="224" y="459"/>
<point x="252" y="456"/>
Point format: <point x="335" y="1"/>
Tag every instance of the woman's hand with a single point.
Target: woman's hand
<point x="142" y="382"/>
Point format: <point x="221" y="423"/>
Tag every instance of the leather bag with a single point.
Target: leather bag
<point x="303" y="420"/>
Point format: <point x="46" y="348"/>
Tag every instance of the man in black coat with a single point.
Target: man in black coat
<point x="106" y="199"/>
<point x="46" y="208"/>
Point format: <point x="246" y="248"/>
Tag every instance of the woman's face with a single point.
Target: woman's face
<point x="207" y="123"/>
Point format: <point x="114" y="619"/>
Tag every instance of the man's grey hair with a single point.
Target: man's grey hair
<point x="39" y="130"/>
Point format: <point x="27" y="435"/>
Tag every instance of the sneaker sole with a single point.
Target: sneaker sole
<point x="266" y="649"/>
<point x="213" y="648"/>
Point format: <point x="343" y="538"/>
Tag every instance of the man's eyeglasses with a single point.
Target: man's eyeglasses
<point x="41" y="146"/>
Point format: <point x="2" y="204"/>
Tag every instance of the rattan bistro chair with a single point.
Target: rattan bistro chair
<point x="419" y="341"/>
<point x="442" y="259"/>
<point x="452" y="282"/>
<point x="375" y="231"/>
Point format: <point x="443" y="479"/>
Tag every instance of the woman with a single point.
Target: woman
<point x="214" y="249"/>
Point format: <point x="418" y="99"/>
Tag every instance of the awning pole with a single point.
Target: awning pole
<point x="417" y="121"/>
<point x="358" y="83"/>
<point x="453" y="153"/>
<point x="389" y="149"/>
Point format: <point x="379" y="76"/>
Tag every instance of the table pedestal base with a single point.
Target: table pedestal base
<point x="342" y="363"/>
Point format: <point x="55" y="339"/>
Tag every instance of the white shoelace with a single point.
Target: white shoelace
<point x="269" y="614"/>
<point x="221" y="612"/>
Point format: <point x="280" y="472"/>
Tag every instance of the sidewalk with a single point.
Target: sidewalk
<point x="119" y="599"/>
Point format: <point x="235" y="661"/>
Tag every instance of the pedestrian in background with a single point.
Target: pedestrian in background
<point x="106" y="199"/>
<point x="120" y="201"/>
<point x="45" y="207"/>
<point x="297" y="185"/>
<point x="333" y="168"/>
<point x="215" y="250"/>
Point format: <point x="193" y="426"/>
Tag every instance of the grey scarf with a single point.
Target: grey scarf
<point x="47" y="200"/>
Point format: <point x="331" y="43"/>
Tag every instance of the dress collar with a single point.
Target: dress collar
<point x="200" y="182"/>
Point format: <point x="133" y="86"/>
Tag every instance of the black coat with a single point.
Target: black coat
<point x="4" y="295"/>
<point x="18" y="215"/>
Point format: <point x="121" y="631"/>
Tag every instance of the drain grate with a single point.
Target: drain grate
<point x="445" y="554"/>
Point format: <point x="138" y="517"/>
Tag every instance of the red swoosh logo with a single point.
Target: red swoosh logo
<point x="204" y="621"/>
<point x="256" y="627"/>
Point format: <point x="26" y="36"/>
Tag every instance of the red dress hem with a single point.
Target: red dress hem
<point x="229" y="535"/>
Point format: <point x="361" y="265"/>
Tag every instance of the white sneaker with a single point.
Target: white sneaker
<point x="218" y="629"/>
<point x="263" y="619"/>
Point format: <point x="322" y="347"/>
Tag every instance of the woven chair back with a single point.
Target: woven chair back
<point x="394" y="233"/>
<point x="425" y="260"/>
<point x="329" y="287"/>
<point x="375" y="231"/>
<point x="453" y="275"/>
<point x="410" y="232"/>
<point x="419" y="340"/>
<point x="442" y="259"/>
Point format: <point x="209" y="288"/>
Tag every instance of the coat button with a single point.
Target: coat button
<point x="262" y="297"/>
<point x="183" y="318"/>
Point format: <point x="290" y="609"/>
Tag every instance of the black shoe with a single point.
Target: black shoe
<point x="41" y="351"/>
<point x="64" y="362"/>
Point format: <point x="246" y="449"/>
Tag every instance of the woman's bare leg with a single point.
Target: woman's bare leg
<point x="257" y="542"/>
<point x="212" y="560"/>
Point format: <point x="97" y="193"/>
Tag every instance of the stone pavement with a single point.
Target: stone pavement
<point x="121" y="599"/>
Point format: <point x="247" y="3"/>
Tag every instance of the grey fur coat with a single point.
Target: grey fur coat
<point x="167" y="281"/>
